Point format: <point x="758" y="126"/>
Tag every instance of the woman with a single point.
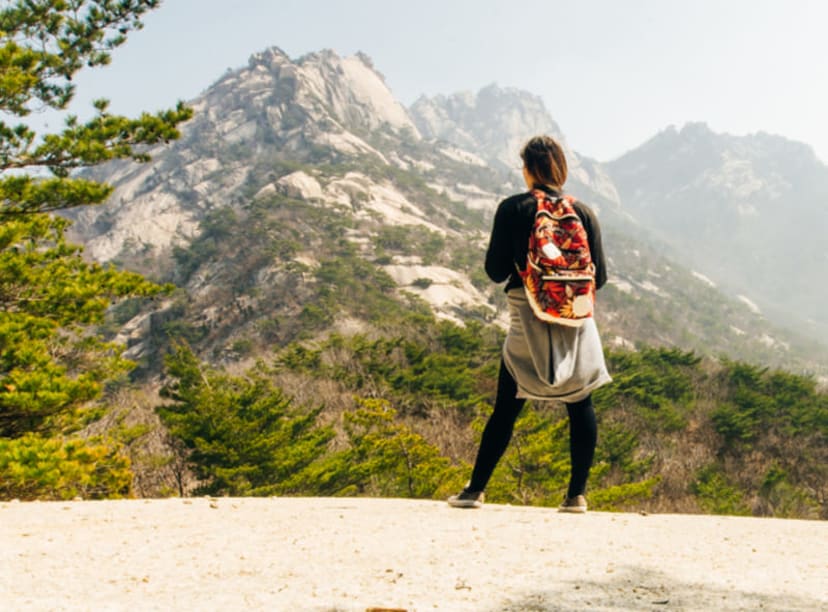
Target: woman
<point x="542" y="361"/>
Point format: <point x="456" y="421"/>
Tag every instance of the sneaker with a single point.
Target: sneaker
<point x="574" y="504"/>
<point x="467" y="499"/>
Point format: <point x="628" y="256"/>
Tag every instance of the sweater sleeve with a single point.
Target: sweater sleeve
<point x="596" y="247"/>
<point x="499" y="255"/>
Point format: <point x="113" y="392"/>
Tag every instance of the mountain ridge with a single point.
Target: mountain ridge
<point x="757" y="204"/>
<point x="279" y="142"/>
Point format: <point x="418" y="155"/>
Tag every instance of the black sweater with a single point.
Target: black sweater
<point x="509" y="242"/>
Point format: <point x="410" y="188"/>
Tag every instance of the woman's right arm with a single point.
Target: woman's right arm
<point x="596" y="247"/>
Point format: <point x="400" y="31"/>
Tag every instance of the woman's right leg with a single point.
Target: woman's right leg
<point x="498" y="430"/>
<point x="583" y="435"/>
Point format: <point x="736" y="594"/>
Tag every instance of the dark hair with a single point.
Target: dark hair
<point x="544" y="159"/>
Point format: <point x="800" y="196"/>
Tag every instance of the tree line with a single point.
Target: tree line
<point x="677" y="432"/>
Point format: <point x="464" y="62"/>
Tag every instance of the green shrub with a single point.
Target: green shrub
<point x="33" y="467"/>
<point x="658" y="384"/>
<point x="623" y="496"/>
<point x="422" y="283"/>
<point x="384" y="457"/>
<point x="716" y="495"/>
<point x="735" y="423"/>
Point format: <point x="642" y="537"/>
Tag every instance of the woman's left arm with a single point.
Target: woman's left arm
<point x="499" y="259"/>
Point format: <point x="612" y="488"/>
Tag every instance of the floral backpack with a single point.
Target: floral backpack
<point x="559" y="277"/>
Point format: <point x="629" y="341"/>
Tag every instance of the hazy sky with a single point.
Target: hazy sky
<point x="612" y="72"/>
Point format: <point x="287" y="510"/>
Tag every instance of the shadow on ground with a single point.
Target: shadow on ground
<point x="632" y="588"/>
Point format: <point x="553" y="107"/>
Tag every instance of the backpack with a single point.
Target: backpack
<point x="560" y="276"/>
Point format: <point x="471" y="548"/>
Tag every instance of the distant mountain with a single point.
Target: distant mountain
<point x="303" y="199"/>
<point x="496" y="122"/>
<point x="749" y="212"/>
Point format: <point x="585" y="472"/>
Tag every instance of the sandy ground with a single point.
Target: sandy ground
<point x="358" y="554"/>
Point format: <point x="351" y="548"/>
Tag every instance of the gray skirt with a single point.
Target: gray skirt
<point x="548" y="361"/>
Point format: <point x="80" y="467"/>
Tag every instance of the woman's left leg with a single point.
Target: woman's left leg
<point x="496" y="436"/>
<point x="498" y="430"/>
<point x="583" y="436"/>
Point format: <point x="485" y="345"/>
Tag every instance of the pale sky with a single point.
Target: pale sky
<point x="612" y="73"/>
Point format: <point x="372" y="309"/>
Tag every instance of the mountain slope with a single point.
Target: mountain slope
<point x="303" y="199"/>
<point x="656" y="294"/>
<point x="749" y="212"/>
<point x="310" y="166"/>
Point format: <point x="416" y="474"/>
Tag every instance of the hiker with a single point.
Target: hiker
<point x="541" y="360"/>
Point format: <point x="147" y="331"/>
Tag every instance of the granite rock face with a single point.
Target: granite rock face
<point x="286" y="158"/>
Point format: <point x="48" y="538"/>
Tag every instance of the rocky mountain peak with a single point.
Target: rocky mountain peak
<point x="697" y="137"/>
<point x="352" y="90"/>
<point x="319" y="106"/>
<point x="696" y="129"/>
<point x="319" y="90"/>
<point x="269" y="57"/>
<point x="504" y="117"/>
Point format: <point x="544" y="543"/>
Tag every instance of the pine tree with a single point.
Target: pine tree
<point x="51" y="363"/>
<point x="383" y="457"/>
<point x="242" y="434"/>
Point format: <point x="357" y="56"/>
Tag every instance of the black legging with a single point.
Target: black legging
<point x="583" y="435"/>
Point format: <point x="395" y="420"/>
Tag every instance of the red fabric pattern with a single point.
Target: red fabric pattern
<point x="559" y="279"/>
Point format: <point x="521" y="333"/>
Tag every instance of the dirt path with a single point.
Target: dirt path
<point x="355" y="554"/>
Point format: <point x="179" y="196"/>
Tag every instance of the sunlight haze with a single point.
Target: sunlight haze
<point x="611" y="74"/>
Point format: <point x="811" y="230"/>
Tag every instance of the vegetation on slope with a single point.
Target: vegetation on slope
<point x="676" y="432"/>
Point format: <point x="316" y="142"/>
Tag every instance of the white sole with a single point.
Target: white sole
<point x="464" y="503"/>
